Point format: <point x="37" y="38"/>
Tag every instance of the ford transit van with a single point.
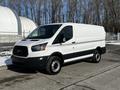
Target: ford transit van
<point x="50" y="46"/>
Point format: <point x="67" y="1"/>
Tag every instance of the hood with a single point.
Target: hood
<point x="31" y="42"/>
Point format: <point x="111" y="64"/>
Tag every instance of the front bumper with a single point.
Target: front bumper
<point x="37" y="62"/>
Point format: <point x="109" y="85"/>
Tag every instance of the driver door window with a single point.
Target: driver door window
<point x="65" y="35"/>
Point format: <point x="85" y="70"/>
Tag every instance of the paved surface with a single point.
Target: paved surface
<point x="77" y="76"/>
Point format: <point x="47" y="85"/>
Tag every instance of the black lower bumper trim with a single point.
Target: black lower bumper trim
<point x="30" y="62"/>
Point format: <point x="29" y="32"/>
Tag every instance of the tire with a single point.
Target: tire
<point x="96" y="57"/>
<point x="53" y="65"/>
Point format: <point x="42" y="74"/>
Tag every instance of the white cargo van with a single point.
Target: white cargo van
<point x="50" y="46"/>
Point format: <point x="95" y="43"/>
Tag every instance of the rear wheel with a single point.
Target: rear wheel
<point x="96" y="57"/>
<point x="53" y="65"/>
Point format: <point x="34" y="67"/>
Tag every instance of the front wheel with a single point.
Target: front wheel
<point x="96" y="57"/>
<point x="53" y="65"/>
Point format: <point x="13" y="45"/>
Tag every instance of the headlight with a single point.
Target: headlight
<point x="40" y="47"/>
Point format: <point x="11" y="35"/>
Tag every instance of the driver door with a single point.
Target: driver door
<point x="63" y="41"/>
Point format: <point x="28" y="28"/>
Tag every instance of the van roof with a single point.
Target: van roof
<point x="70" y="23"/>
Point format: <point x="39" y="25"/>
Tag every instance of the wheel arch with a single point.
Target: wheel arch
<point x="60" y="55"/>
<point x="99" y="49"/>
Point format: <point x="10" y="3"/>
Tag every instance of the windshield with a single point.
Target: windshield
<point x="44" y="32"/>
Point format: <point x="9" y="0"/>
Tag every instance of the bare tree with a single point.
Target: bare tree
<point x="112" y="15"/>
<point x="100" y="12"/>
<point x="55" y="5"/>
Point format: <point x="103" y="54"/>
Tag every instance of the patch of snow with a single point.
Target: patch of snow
<point x="5" y="53"/>
<point x="5" y="57"/>
<point x="113" y="42"/>
<point x="6" y="60"/>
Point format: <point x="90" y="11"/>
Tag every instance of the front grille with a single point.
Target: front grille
<point x="20" y="51"/>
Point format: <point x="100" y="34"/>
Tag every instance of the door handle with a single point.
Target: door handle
<point x="73" y="42"/>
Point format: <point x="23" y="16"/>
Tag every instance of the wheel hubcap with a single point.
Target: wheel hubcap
<point x="55" y="66"/>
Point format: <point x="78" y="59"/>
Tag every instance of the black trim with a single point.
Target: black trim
<point x="30" y="62"/>
<point x="82" y="53"/>
<point x="20" y="51"/>
<point x="41" y="63"/>
<point x="77" y="54"/>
